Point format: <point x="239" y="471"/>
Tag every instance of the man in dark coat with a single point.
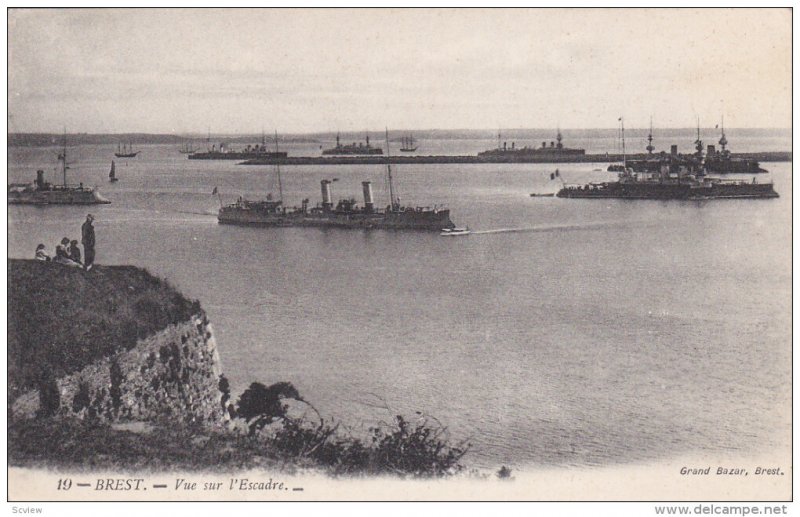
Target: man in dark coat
<point x="87" y="239"/>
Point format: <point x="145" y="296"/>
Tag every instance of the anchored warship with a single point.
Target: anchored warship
<point x="250" y="151"/>
<point x="42" y="193"/>
<point x="556" y="152"/>
<point x="714" y="161"/>
<point x="345" y="214"/>
<point x="353" y="148"/>
<point x="677" y="177"/>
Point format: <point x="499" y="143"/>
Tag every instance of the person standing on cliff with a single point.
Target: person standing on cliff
<point x="87" y="239"/>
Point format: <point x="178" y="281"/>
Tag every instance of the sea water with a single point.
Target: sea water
<point x="562" y="332"/>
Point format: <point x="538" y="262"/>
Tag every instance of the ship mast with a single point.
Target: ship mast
<point x="622" y="133"/>
<point x="62" y="159"/>
<point x="389" y="173"/>
<point x="278" y="169"/>
<point x="650" y="147"/>
<point x="723" y="141"/>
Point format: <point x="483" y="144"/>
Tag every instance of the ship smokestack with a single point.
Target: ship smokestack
<point x="368" y="204"/>
<point x="544" y="144"/>
<point x="673" y="150"/>
<point x="711" y="150"/>
<point x="512" y="145"/>
<point x="326" y="195"/>
<point x="40" y="179"/>
<point x="505" y="145"/>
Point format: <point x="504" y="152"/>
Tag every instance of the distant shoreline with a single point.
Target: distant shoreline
<point x="36" y="139"/>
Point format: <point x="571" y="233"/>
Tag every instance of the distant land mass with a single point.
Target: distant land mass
<point x="519" y="134"/>
<point x="55" y="139"/>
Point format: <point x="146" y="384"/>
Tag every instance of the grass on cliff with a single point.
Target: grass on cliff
<point x="61" y="319"/>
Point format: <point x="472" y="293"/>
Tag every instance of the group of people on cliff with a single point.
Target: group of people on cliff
<point x="68" y="253"/>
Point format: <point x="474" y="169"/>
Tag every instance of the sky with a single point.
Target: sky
<point x="312" y="70"/>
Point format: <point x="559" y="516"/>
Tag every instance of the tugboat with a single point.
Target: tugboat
<point x="124" y="151"/>
<point x="346" y="214"/>
<point x="42" y="193"/>
<point x="677" y="178"/>
<point x="353" y="148"/>
<point x="455" y="232"/>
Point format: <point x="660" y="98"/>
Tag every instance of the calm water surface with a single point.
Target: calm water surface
<point x="562" y="332"/>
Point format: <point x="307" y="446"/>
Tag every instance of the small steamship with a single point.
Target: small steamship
<point x="41" y="192"/>
<point x="345" y="214"/>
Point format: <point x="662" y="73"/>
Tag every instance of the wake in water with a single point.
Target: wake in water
<point x="210" y="211"/>
<point x="556" y="227"/>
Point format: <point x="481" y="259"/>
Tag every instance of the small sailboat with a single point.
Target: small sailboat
<point x="125" y="151"/>
<point x="455" y="232"/>
<point x="112" y="175"/>
<point x="188" y="148"/>
<point x="408" y="144"/>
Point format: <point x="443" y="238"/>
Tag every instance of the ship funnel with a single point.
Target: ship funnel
<point x="505" y="146"/>
<point x="369" y="206"/>
<point x="40" y="179"/>
<point x="711" y="150"/>
<point x="326" y="195"/>
<point x="673" y="150"/>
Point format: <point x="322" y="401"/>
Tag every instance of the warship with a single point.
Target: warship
<point x="353" y="148"/>
<point x="556" y="152"/>
<point x="714" y="161"/>
<point x="345" y="214"/>
<point x="42" y="193"/>
<point x="677" y="177"/>
<point x="250" y="152"/>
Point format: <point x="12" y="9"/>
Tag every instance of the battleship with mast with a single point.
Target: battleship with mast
<point x="676" y="177"/>
<point x="353" y="148"/>
<point x="250" y="152"/>
<point x="41" y="192"/>
<point x="555" y="153"/>
<point x="713" y="161"/>
<point x="345" y="214"/>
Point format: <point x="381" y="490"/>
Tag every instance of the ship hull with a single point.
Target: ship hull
<point x="357" y="152"/>
<point x="400" y="220"/>
<point x="236" y="155"/>
<point x="57" y="197"/>
<point x="615" y="190"/>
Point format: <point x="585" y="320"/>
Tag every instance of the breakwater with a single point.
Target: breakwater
<point x="466" y="159"/>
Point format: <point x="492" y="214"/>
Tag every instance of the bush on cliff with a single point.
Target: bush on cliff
<point x="260" y="405"/>
<point x="402" y="448"/>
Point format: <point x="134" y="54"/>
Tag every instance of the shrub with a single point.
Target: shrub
<point x="260" y="405"/>
<point x="401" y="448"/>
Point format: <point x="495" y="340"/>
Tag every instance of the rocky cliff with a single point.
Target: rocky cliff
<point x="164" y="368"/>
